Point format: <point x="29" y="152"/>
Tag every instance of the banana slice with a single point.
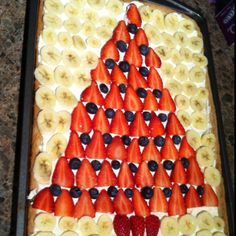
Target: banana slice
<point x="44" y="75"/>
<point x="45" y="222"/>
<point x="42" y="169"/>
<point x="65" y="97"/>
<point x="89" y="60"/>
<point x="219" y="234"/>
<point x="169" y="226"/>
<point x="70" y="58"/>
<point x="203" y="93"/>
<point x="50" y="55"/>
<point x="205" y="220"/>
<point x="186" y="54"/>
<point x="82" y="78"/>
<point x="54" y="6"/>
<point x="49" y="36"/>
<point x="71" y="10"/>
<point x="173" y="86"/>
<point x="90" y="16"/>
<point x="47" y="121"/>
<point x="64" y="121"/>
<point x="69" y="233"/>
<point x="200" y="60"/>
<point x="187" y="26"/>
<point x="197" y="103"/>
<point x="209" y="140"/>
<point x="163" y="52"/>
<point x="56" y="145"/>
<point x="182" y="102"/>
<point x="168" y="40"/>
<point x="176" y="58"/>
<point x="114" y="7"/>
<point x="146" y="13"/>
<point x="96" y="4"/>
<point x="195" y="43"/>
<point x="45" y="233"/>
<point x="65" y="40"/>
<point x="79" y="3"/>
<point x="167" y="70"/>
<point x="157" y="19"/>
<point x="199" y="120"/>
<point x="72" y="25"/>
<point x="52" y="20"/>
<point x="219" y="223"/>
<point x="87" y="226"/>
<point x="189" y="88"/>
<point x="171" y="22"/>
<point x="205" y="157"/>
<point x="204" y="232"/>
<point x="108" y="21"/>
<point x="181" y="72"/>
<point x="78" y="42"/>
<point x="180" y="38"/>
<point x="104" y="32"/>
<point x="152" y="33"/>
<point x="67" y="223"/>
<point x="193" y="139"/>
<point x="212" y="176"/>
<point x="105" y="225"/>
<point x="184" y="118"/>
<point x="187" y="224"/>
<point x="197" y="74"/>
<point x="88" y="29"/>
<point x="63" y="76"/>
<point x="93" y="42"/>
<point x="45" y="98"/>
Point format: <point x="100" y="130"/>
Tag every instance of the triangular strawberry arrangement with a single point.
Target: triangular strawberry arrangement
<point x="125" y="123"/>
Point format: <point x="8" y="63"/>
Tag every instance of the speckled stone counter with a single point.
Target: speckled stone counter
<point x="12" y="13"/>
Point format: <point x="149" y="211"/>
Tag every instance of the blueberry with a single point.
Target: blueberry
<point x="147" y="192"/>
<point x="126" y="140"/>
<point x="152" y="165"/>
<point x="122" y="88"/>
<point x="185" y="162"/>
<point x="168" y="165"/>
<point x="133" y="167"/>
<point x="115" y="165"/>
<point x="110" y="63"/>
<point x="159" y="141"/>
<point x="107" y="138"/>
<point x="75" y="192"/>
<point x="112" y="191"/>
<point x="96" y="165"/>
<point x="91" y="108"/>
<point x="110" y="113"/>
<point x="121" y="45"/>
<point x="124" y="66"/>
<point x="176" y="139"/>
<point x="129" y="193"/>
<point x="55" y="190"/>
<point x="144" y="49"/>
<point x="75" y="163"/>
<point x="132" y="28"/>
<point x="157" y="93"/>
<point x="144" y="71"/>
<point x="142" y="93"/>
<point x="103" y="88"/>
<point x="167" y="192"/>
<point x="85" y="138"/>
<point x="143" y="141"/>
<point x="129" y="116"/>
<point x="162" y="117"/>
<point x="200" y="190"/>
<point x="93" y="193"/>
<point x="147" y="115"/>
<point x="183" y="188"/>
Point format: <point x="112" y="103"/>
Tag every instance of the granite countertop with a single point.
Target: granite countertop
<point x="12" y="13"/>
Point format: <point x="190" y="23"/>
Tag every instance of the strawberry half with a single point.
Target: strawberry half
<point x="121" y="32"/>
<point x="185" y="149"/>
<point x="133" y="15"/>
<point x="100" y="122"/>
<point x="125" y="177"/>
<point x="166" y="102"/>
<point x="103" y="203"/>
<point x="173" y="126"/>
<point x="110" y="51"/>
<point x="169" y="151"/>
<point x="152" y="59"/>
<point x="44" y="201"/>
<point x="158" y="202"/>
<point x="132" y="55"/>
<point x="154" y="80"/>
<point x="121" y="225"/>
<point x="161" y="178"/>
<point x="150" y="152"/>
<point x="155" y="126"/>
<point x="138" y="126"/>
<point x="140" y="206"/>
<point x="132" y="101"/>
<point x="209" y="197"/>
<point x="119" y="124"/>
<point x="135" y="79"/>
<point x="152" y="225"/>
<point x="192" y="198"/>
<point x="178" y="174"/>
<point x="143" y="176"/>
<point x="117" y="76"/>
<point x="84" y="206"/>
<point x="62" y="174"/>
<point x="134" y="154"/>
<point x="150" y="102"/>
<point x="141" y="37"/>
<point x="137" y="225"/>
<point x="194" y="173"/>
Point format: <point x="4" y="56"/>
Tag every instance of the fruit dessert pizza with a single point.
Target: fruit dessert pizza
<point x="124" y="136"/>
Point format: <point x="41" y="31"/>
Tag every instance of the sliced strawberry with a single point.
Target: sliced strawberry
<point x="150" y="102"/>
<point x="152" y="59"/>
<point x="140" y="206"/>
<point x="133" y="15"/>
<point x="125" y="177"/>
<point x="116" y="149"/>
<point x="64" y="205"/>
<point x="143" y="176"/>
<point x="121" y="225"/>
<point x="194" y="173"/>
<point x="138" y="126"/>
<point x="122" y="204"/>
<point x="132" y="55"/>
<point x="96" y="148"/>
<point x="176" y="202"/>
<point x="166" y="102"/>
<point x="101" y="73"/>
<point x="141" y="37"/>
<point x="44" y="201"/>
<point x="106" y="176"/>
<point x="119" y="124"/>
<point x="137" y="225"/>
<point x="161" y="177"/>
<point x="173" y="126"/>
<point x="158" y="202"/>
<point x="192" y="198"/>
<point x="100" y="122"/>
<point x="132" y="101"/>
<point x="74" y="147"/>
<point x="110" y="51"/>
<point x="80" y="120"/>
<point x="209" y="197"/>
<point x="178" y="174"/>
<point x="113" y="98"/>
<point x="103" y="203"/>
<point x="121" y="32"/>
<point x="185" y="149"/>
<point x="86" y="175"/>
<point x="152" y="225"/>
<point x="62" y="174"/>
<point x="154" y="80"/>
<point x="134" y="154"/>
<point x="150" y="152"/>
<point x="169" y="151"/>
<point x="84" y="206"/>
<point x="117" y="76"/>
<point x="92" y="94"/>
<point x="135" y="79"/>
<point x="155" y="126"/>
